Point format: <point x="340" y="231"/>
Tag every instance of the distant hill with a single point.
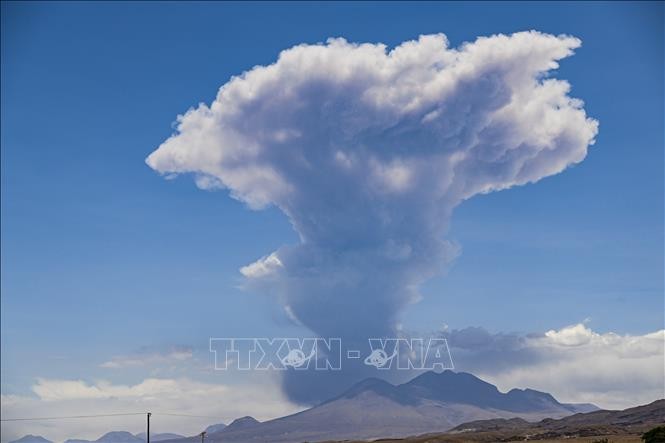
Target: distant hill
<point x="614" y="426"/>
<point x="31" y="439"/>
<point x="374" y="408"/>
<point x="629" y="421"/>
<point x="112" y="437"/>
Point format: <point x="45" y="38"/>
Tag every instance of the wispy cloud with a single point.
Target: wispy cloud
<point x="148" y="357"/>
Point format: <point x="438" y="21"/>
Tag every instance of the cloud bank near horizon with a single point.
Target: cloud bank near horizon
<point x="626" y="371"/>
<point x="260" y="397"/>
<point x="574" y="363"/>
<point x="147" y="356"/>
<point x="367" y="151"/>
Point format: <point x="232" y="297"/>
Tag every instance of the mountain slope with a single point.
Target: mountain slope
<point x="626" y="425"/>
<point x="215" y="428"/>
<point x="629" y="421"/>
<point x="374" y="408"/>
<point x="581" y="407"/>
<point x="241" y="423"/>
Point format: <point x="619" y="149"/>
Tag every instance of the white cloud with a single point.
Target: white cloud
<point x="262" y="398"/>
<point x="486" y="100"/>
<point x="576" y="335"/>
<point x="262" y="267"/>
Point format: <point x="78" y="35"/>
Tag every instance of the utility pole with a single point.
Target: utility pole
<point x="147" y="435"/>
<point x="203" y="436"/>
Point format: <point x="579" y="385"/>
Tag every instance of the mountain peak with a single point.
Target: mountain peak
<point x="241" y="423"/>
<point x="460" y="387"/>
<point x="119" y="437"/>
<point x="464" y="388"/>
<point x="448" y="376"/>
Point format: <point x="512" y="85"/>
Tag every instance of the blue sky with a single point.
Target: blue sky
<point x="101" y="256"/>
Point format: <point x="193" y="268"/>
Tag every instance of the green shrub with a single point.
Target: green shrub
<point x="656" y="435"/>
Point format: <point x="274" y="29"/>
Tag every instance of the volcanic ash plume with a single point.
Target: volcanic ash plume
<point x="368" y="150"/>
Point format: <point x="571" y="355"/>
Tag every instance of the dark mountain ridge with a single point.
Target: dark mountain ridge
<point x="462" y="388"/>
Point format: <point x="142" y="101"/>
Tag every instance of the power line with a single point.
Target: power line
<point x="72" y="416"/>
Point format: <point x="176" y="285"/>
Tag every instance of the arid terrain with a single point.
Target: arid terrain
<point x="614" y="438"/>
<point x="599" y="426"/>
